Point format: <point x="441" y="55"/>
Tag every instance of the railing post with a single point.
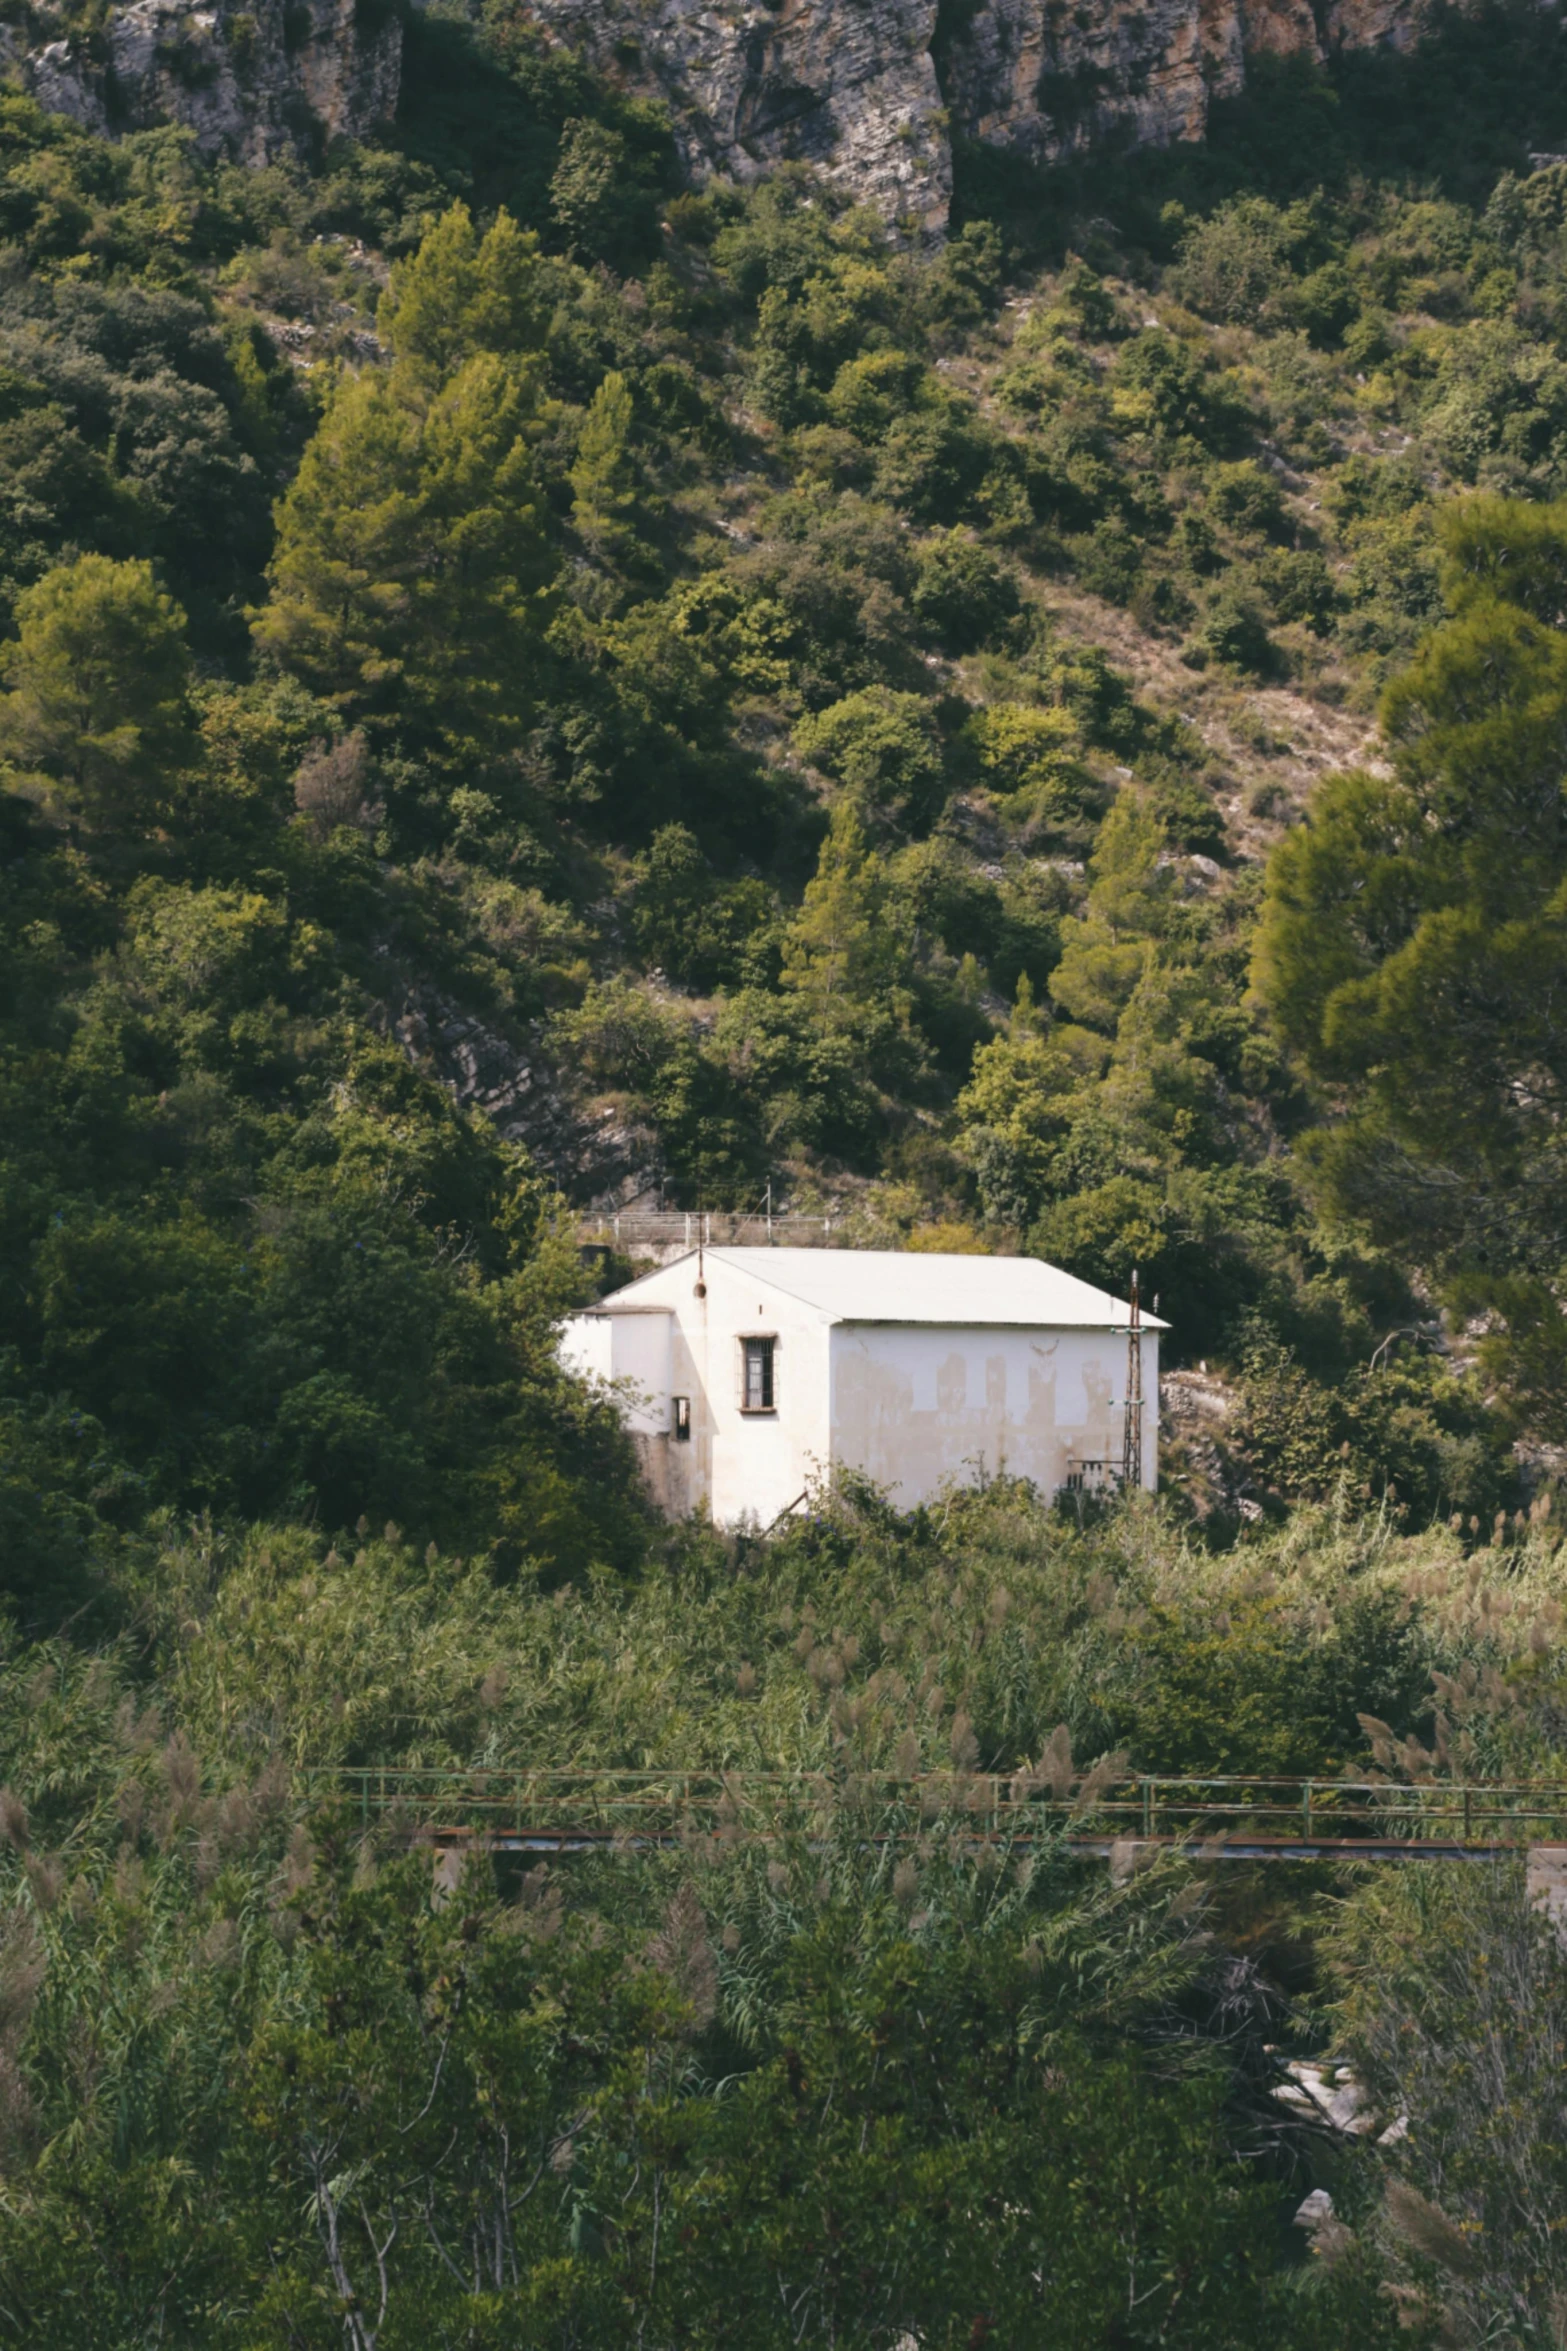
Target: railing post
<point x="1148" y="1808"/>
<point x="1306" y="1804"/>
<point x="1468" y="1829"/>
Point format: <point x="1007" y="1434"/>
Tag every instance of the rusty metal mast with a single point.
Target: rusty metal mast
<point x="1132" y="1448"/>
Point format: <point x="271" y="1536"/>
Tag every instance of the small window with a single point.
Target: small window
<point x="757" y="1392"/>
<point x="682" y="1406"/>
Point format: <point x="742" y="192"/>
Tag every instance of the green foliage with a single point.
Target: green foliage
<point x="1452" y="1992"/>
<point x="493" y="113"/>
<point x="845" y="946"/>
<point x="1407" y="1433"/>
<point x="1235" y="633"/>
<point x="703" y="933"/>
<point x="601" y="195"/>
<point x="1439" y="885"/>
<point x="99" y="692"/>
<point x="411" y="558"/>
<point x="962" y="593"/>
<point x="882" y="747"/>
<point x="469" y="2114"/>
<point x="630" y="513"/>
<point x="1235" y="265"/>
<point x="279" y="2016"/>
<point x="1162" y="388"/>
<point x="603" y="481"/>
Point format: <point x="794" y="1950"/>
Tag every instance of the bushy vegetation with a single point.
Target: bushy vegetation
<point x="670" y="666"/>
<point x="520" y="679"/>
<point x="262" y="2084"/>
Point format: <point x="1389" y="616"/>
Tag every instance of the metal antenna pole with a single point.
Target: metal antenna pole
<point x="1132" y="1451"/>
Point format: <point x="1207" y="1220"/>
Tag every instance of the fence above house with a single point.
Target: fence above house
<point x="668" y="1231"/>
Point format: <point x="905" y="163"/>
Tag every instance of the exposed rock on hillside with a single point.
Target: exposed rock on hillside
<point x="851" y="89"/>
<point x="250" y="77"/>
<point x="594" y="1153"/>
<point x="869" y="92"/>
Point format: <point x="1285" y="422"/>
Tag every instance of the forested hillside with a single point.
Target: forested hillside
<point x="522" y="682"/>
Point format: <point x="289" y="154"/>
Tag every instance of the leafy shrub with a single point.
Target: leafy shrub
<point x="1237" y="264"/>
<point x="1248" y="498"/>
<point x="883" y="747"/>
<point x="963" y="593"/>
<point x="1233" y="631"/>
<point x="702" y="932"/>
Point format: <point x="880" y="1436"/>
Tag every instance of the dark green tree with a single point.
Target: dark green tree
<point x="98" y="706"/>
<point x="1413" y="949"/>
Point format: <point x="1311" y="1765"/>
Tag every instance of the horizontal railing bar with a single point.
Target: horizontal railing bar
<point x="1167" y="1793"/>
<point x="578" y="1806"/>
<point x="720" y="1776"/>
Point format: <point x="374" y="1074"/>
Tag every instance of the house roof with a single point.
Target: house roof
<point x="895" y="1285"/>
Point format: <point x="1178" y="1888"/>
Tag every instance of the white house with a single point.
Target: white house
<point x="747" y="1374"/>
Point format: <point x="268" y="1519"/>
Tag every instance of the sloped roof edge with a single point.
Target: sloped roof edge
<point x="912" y="1286"/>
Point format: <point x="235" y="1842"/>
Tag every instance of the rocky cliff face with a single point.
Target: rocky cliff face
<point x="1024" y="73"/>
<point x="869" y="91"/>
<point x="848" y="85"/>
<point x="250" y="77"/>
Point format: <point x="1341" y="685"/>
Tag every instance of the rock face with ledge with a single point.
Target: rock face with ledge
<point x="847" y="85"/>
<point x="1026" y="74"/>
<point x="250" y="78"/>
<point x="868" y="91"/>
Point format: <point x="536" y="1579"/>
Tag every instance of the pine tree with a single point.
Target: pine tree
<point x="99" y="676"/>
<point x="603" y="479"/>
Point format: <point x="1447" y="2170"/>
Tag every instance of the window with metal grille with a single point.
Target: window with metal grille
<point x="682" y="1405"/>
<point x="756" y="1391"/>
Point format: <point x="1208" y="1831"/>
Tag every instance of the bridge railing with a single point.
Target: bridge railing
<point x="1216" y="1813"/>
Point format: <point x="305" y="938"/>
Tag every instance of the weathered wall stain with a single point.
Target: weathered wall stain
<point x="913" y="1406"/>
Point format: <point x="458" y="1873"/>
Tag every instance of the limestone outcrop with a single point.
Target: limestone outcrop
<point x="869" y="91"/>
<point x="251" y="78"/>
<point x="1024" y="73"/>
<point x="847" y="85"/>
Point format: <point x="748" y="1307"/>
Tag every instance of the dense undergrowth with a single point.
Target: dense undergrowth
<point x="522" y="679"/>
<point x="260" y="2086"/>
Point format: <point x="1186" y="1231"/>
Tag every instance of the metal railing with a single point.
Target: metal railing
<point x="1217" y="1817"/>
<point x="673" y="1228"/>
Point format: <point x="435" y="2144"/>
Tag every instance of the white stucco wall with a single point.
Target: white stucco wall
<point x="917" y="1404"/>
<point x="752" y="1465"/>
<point x="912" y="1404"/>
<point x="740" y="1464"/>
<point x="586" y="1346"/>
<point x="632" y="1349"/>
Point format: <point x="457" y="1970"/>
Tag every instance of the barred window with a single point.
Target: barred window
<point x="757" y="1389"/>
